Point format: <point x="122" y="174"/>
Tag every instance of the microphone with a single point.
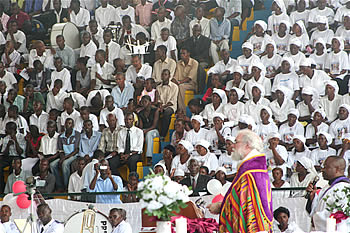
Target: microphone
<point x="315" y="180"/>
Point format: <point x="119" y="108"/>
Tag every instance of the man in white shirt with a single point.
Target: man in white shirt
<point x="321" y="10"/>
<point x="69" y="112"/>
<point x="41" y="53"/>
<point x="56" y="96"/>
<point x="110" y="108"/>
<point x="201" y="20"/>
<point x="130" y="145"/>
<point x="75" y="184"/>
<point x="17" y="37"/>
<point x="79" y="16"/>
<point x="7" y="77"/>
<point x="111" y="48"/>
<point x="168" y="41"/>
<point x="39" y="118"/>
<point x="130" y="29"/>
<point x="117" y="218"/>
<point x="61" y="73"/>
<point x="101" y="72"/>
<point x="104" y="15"/>
<point x="124" y="9"/>
<point x="11" y="57"/>
<point x="88" y="49"/>
<point x="225" y="67"/>
<point x="162" y="22"/>
<point x="8" y="225"/>
<point x="45" y="223"/>
<point x="137" y="69"/>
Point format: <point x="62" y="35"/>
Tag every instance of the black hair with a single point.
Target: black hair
<point x="205" y="168"/>
<point x="280" y="209"/>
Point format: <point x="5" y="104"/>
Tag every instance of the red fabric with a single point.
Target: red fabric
<point x="209" y="92"/>
<point x="339" y="216"/>
<point x="198" y="225"/>
<point x="21" y="17"/>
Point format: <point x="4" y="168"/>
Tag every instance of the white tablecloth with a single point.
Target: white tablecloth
<point x="63" y="209"/>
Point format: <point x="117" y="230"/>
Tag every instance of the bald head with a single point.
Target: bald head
<point x="334" y="166"/>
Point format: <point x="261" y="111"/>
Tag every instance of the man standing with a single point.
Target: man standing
<point x="247" y="206"/>
<point x="185" y="76"/>
<point x="333" y="171"/>
<point x="46" y="223"/>
<point x="168" y="92"/>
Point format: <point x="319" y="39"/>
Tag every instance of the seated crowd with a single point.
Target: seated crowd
<point x="85" y="113"/>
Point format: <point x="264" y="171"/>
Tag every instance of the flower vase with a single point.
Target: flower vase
<point x="163" y="227"/>
<point x="344" y="225"/>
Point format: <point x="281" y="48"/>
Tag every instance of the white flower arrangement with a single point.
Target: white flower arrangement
<point x="161" y="196"/>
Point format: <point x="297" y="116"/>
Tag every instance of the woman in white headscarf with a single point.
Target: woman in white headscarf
<point x="234" y="108"/>
<point x="320" y="54"/>
<point x="279" y="13"/>
<point x="258" y="71"/>
<point x="281" y="38"/>
<point x="344" y="30"/>
<point x="225" y="159"/>
<point x="247" y="58"/>
<point x="299" y="31"/>
<point x="294" y="52"/>
<point x="259" y="37"/>
<point x="302" y="12"/>
<point x="271" y="60"/>
<point x="181" y="160"/>
<point x="290" y="128"/>
<point x="252" y="106"/>
<point x="266" y="124"/>
<point x="317" y="125"/>
<point x="319" y="155"/>
<point x="219" y="99"/>
<point x="337" y="63"/>
<point x="304" y="174"/>
<point x="281" y="105"/>
<point x="310" y="102"/>
<point x="287" y="78"/>
<point x="322" y="31"/>
<point x="204" y="157"/>
<point x="331" y="101"/>
<point x="197" y="132"/>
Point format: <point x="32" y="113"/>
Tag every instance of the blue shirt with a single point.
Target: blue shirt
<point x="68" y="145"/>
<point x="121" y="99"/>
<point x="107" y="186"/>
<point x="29" y="6"/>
<point x="89" y="145"/>
<point x="218" y="30"/>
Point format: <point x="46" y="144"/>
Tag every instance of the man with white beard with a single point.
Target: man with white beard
<point x="333" y="171"/>
<point x="250" y="192"/>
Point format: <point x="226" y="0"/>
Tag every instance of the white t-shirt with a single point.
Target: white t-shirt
<point x="253" y="109"/>
<point x="318" y="156"/>
<point x="233" y="112"/>
<point x="209" y="111"/>
<point x="105" y="15"/>
<point x="320" y="60"/>
<point x="213" y="138"/>
<point x="271" y="163"/>
<point x="345" y="34"/>
<point x="265" y="82"/>
<point x="304" y="38"/>
<point x="170" y="44"/>
<point x="119" y="13"/>
<point x="328" y="12"/>
<point x="263" y="130"/>
<point x="176" y="164"/>
<point x="9" y="79"/>
<point x="193" y="137"/>
<point x="341" y="11"/>
<point x="81" y="19"/>
<point x="246" y="63"/>
<point x="297" y="58"/>
<point x="19" y="37"/>
<point x="290" y="80"/>
<point x="64" y="75"/>
<point x="287" y="133"/>
<point x="338" y="128"/>
<point x="331" y="107"/>
<point x="295" y="16"/>
<point x="116" y="111"/>
<point x="310" y="132"/>
<point x="336" y="62"/>
<point x="280" y="112"/>
<point x="271" y="64"/>
<point x="317" y="81"/>
<point x="327" y="35"/>
<point x="274" y="20"/>
<point x="282" y="43"/>
<point x="228" y="163"/>
<point x="259" y="43"/>
<point x="209" y="160"/>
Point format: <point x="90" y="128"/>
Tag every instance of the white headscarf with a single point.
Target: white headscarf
<point x="230" y="138"/>
<point x="332" y="83"/>
<point x="261" y="67"/>
<point x="261" y="88"/>
<point x="273" y="43"/>
<point x="268" y="110"/>
<point x="321" y="41"/>
<point x="320" y="111"/>
<point x="327" y="136"/>
<point x="221" y="169"/>
<point x="188" y="146"/>
<point x="346" y="106"/>
<point x="308" y="165"/>
<point x="198" y="118"/>
<point x="203" y="143"/>
<point x="248" y="45"/>
<point x="290" y="61"/>
<point x="219" y="115"/>
<point x="285" y="90"/>
<point x="307" y="62"/>
<point x="280" y="4"/>
<point x="341" y="41"/>
<point x="287" y="23"/>
<point x="296" y="41"/>
<point x="239" y="92"/>
<point x="262" y="24"/>
<point x="221" y="94"/>
<point x="247" y="119"/>
<point x="179" y="172"/>
<point x="300" y="137"/>
<point x="273" y="135"/>
<point x="301" y="24"/>
<point x="322" y="19"/>
<point x="294" y="111"/>
<point x="238" y="69"/>
<point x="162" y="165"/>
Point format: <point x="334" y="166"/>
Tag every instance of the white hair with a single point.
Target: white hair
<point x="251" y="139"/>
